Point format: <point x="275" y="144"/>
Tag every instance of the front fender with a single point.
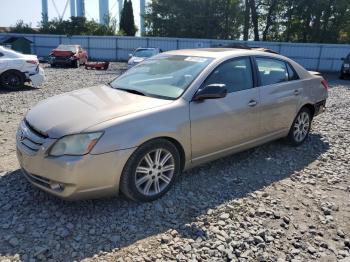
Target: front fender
<point x="135" y="129"/>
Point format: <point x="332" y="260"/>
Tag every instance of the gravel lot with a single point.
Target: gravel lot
<point x="271" y="203"/>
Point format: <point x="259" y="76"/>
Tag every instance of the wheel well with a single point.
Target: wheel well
<point x="15" y="71"/>
<point x="311" y="108"/>
<point x="179" y="148"/>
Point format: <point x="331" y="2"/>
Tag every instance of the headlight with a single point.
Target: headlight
<point x="75" y="145"/>
<point x="346" y="65"/>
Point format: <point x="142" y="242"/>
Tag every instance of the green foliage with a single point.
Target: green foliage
<point x="127" y="22"/>
<point x="324" y="21"/>
<point x="21" y="27"/>
<point x="72" y="26"/>
<point x="321" y="21"/>
<point x="194" y="18"/>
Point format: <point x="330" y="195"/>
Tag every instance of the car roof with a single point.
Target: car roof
<point x="146" y="48"/>
<point x="10" y="53"/>
<point x="221" y="52"/>
<point x="68" y="45"/>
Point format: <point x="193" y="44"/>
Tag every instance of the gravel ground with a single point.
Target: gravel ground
<point x="271" y="203"/>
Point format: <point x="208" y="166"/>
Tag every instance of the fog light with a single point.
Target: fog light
<point x="57" y="187"/>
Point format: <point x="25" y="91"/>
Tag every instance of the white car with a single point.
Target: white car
<point x="141" y="54"/>
<point x="17" y="68"/>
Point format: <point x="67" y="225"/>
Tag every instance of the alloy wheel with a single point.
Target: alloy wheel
<point x="154" y="172"/>
<point x="301" y="126"/>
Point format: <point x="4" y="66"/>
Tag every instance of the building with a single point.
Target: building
<point x="20" y="43"/>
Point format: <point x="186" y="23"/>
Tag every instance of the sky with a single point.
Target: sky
<point x="30" y="10"/>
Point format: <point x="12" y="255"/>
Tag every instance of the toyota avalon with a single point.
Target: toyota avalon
<point x="171" y="112"/>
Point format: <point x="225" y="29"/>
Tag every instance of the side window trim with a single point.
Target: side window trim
<point x="295" y="72"/>
<point x="257" y="69"/>
<point x="254" y="79"/>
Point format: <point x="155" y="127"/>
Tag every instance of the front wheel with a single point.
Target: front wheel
<point x="77" y="63"/>
<point x="300" y="128"/>
<point x="150" y="171"/>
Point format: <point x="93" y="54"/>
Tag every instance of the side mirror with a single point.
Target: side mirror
<point x="342" y="58"/>
<point x="130" y="55"/>
<point x="212" y="91"/>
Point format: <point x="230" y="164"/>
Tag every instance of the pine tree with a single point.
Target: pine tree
<point x="127" y="22"/>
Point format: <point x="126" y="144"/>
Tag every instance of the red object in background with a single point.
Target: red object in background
<point x="68" y="54"/>
<point x="97" y="65"/>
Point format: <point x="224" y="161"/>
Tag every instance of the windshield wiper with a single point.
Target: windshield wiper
<point x="133" y="91"/>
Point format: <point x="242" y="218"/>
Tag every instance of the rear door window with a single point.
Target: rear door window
<point x="272" y="71"/>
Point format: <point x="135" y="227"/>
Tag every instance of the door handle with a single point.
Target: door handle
<point x="296" y="92"/>
<point x="252" y="103"/>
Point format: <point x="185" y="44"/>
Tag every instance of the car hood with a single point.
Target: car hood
<point x="62" y="53"/>
<point x="76" y="111"/>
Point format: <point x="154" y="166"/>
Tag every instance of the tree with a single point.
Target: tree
<point x="21" y="27"/>
<point x="246" y="20"/>
<point x="127" y="22"/>
<point x="255" y="19"/>
<point x="194" y="18"/>
<point x="79" y="26"/>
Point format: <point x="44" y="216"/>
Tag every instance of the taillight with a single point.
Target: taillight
<point x="34" y="62"/>
<point x="325" y="84"/>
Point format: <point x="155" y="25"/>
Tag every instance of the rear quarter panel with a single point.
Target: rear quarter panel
<point x="313" y="91"/>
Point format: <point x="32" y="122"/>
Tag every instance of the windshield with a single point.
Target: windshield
<point x="145" y="52"/>
<point x="71" y="48"/>
<point x="165" y="76"/>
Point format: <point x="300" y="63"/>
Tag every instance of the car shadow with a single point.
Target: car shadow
<point x="24" y="88"/>
<point x="75" y="230"/>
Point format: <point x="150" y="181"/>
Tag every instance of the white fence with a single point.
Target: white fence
<point x="319" y="57"/>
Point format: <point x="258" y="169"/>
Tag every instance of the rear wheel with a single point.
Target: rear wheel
<point x="300" y="128"/>
<point x="12" y="80"/>
<point x="150" y="171"/>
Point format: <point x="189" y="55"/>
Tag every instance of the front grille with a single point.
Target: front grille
<point x="30" y="137"/>
<point x="62" y="59"/>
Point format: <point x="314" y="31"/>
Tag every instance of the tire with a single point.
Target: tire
<point x="53" y="65"/>
<point x="12" y="80"/>
<point x="142" y="186"/>
<point x="300" y="128"/>
<point x="76" y="63"/>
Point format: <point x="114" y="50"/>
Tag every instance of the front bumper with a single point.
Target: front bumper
<point x="345" y="71"/>
<point x="70" y="177"/>
<point x="61" y="60"/>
